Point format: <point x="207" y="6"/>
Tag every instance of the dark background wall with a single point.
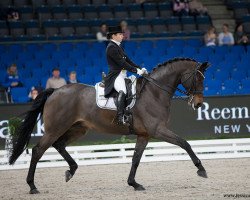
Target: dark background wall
<point x="219" y="117"/>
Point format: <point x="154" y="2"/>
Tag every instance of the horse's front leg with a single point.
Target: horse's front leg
<point x="166" y="135"/>
<point x="141" y="144"/>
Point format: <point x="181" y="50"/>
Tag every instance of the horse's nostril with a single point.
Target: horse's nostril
<point x="198" y="105"/>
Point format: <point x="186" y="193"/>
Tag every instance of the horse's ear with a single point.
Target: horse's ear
<point x="203" y="67"/>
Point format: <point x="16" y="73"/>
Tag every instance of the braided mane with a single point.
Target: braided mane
<point x="172" y="61"/>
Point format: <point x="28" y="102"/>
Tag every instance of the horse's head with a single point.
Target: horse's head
<point x="192" y="80"/>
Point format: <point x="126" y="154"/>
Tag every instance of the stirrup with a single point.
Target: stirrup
<point x="122" y="122"/>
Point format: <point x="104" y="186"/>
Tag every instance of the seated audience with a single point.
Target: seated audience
<point x="180" y="7"/>
<point x="34" y="92"/>
<point x="55" y="81"/>
<point x="226" y="37"/>
<point x="72" y="78"/>
<point x="197" y="8"/>
<point x="210" y="37"/>
<point x="12" y="79"/>
<point x="124" y="26"/>
<point x="240" y="36"/>
<point x="102" y="34"/>
<point x="12" y="14"/>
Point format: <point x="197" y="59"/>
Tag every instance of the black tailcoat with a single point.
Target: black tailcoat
<point x="117" y="61"/>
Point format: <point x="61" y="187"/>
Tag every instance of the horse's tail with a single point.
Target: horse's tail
<point x="25" y="129"/>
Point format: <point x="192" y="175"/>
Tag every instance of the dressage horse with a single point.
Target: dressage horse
<point x="68" y="112"/>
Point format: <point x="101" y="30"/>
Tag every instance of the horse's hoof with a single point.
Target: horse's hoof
<point x="34" y="191"/>
<point x="68" y="176"/>
<point x="139" y="188"/>
<point x="202" y="173"/>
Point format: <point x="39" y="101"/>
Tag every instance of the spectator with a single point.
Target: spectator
<point x="12" y="79"/>
<point x="34" y="92"/>
<point x="55" y="81"/>
<point x="102" y="34"/>
<point x="210" y="37"/>
<point x="180" y="7"/>
<point x="12" y="14"/>
<point x="197" y="8"/>
<point x="72" y="78"/>
<point x="226" y="37"/>
<point x="240" y="36"/>
<point x="126" y="31"/>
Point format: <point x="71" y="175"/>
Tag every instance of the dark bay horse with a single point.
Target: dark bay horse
<point x="68" y="112"/>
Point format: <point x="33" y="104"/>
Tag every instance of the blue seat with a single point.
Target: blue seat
<point x="130" y="45"/>
<point x="23" y="56"/>
<point x="25" y="73"/>
<point x="238" y="75"/>
<point x="175" y="51"/>
<point x="206" y="50"/>
<point x="221" y="50"/>
<point x="44" y="81"/>
<point x="221" y="75"/>
<point x="213" y="84"/>
<point x="244" y="91"/>
<point x="75" y="54"/>
<point x="203" y="19"/>
<point x="194" y="42"/>
<point x="81" y="46"/>
<point x="189" y="51"/>
<point x="42" y="55"/>
<point x="226" y="65"/>
<point x="59" y="55"/>
<point x="30" y="64"/>
<point x="49" y="47"/>
<point x="16" y="48"/>
<point x="32" y="47"/>
<point x="65" y="46"/>
<point x="146" y="44"/>
<point x="31" y="82"/>
<point x="49" y="64"/>
<point x="18" y="94"/>
<point x="227" y="92"/>
<point x="211" y="92"/>
<point x="231" y="84"/>
<point x="65" y="63"/>
<point x="245" y="83"/>
<point x="239" y="49"/>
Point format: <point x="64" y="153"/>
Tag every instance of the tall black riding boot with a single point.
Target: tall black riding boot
<point x="120" y="106"/>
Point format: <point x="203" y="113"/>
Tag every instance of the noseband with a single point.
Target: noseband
<point x="193" y="75"/>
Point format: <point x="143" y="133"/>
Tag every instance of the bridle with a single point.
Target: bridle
<point x="190" y="92"/>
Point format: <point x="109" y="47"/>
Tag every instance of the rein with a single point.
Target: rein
<point x="187" y="93"/>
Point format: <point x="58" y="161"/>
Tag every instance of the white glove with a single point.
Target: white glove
<point x="144" y="71"/>
<point x="140" y="72"/>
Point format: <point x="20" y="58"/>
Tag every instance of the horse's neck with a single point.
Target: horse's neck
<point x="168" y="78"/>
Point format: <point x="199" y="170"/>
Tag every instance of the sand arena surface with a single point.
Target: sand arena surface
<point x="163" y="180"/>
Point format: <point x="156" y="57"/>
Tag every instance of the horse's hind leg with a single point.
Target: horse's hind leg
<point x="141" y="144"/>
<point x="60" y="145"/>
<point x="163" y="133"/>
<point x="37" y="152"/>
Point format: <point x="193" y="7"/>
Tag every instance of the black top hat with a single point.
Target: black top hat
<point x="114" y="30"/>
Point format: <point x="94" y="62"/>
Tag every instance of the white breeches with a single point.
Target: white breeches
<point x="120" y="82"/>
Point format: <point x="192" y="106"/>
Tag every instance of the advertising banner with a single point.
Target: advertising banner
<point x="219" y="117"/>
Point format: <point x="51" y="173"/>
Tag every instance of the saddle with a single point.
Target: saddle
<point x="111" y="102"/>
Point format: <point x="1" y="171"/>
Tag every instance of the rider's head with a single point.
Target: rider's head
<point x="115" y="33"/>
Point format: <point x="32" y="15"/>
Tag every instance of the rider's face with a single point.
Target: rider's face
<point x="118" y="37"/>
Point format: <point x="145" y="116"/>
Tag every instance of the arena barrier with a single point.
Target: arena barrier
<point x="122" y="153"/>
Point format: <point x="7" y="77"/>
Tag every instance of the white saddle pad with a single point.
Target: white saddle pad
<point x="108" y="103"/>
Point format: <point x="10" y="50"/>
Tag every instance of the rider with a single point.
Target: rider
<point x="118" y="63"/>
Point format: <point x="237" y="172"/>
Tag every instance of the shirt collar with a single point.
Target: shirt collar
<point x="118" y="43"/>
